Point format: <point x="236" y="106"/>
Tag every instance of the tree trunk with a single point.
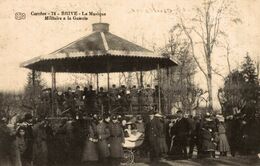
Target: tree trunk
<point x="209" y="84"/>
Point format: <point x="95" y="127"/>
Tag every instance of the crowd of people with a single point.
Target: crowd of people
<point x="117" y="99"/>
<point x="100" y="139"/>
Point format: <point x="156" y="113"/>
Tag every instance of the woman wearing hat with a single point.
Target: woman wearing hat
<point x="21" y="145"/>
<point x="208" y="133"/>
<point x="161" y="135"/>
<point x="223" y="145"/>
<point x="103" y="135"/>
<point x="116" y="140"/>
<point x="90" y="151"/>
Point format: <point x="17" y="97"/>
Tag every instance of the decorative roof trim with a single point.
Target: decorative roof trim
<point x="122" y="53"/>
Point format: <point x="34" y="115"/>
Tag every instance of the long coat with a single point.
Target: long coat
<point x="9" y="152"/>
<point x="90" y="151"/>
<point x="151" y="137"/>
<point x="40" y="150"/>
<point x="179" y="133"/>
<point x="208" y="132"/>
<point x="103" y="134"/>
<point x="28" y="154"/>
<point x="116" y="140"/>
<point x="161" y="136"/>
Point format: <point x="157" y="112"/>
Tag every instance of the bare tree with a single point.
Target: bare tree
<point x="183" y="93"/>
<point x="205" y="34"/>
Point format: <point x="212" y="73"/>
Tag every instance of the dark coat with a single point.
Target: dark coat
<point x="152" y="132"/>
<point x="103" y="134"/>
<point x="179" y="134"/>
<point x="181" y="131"/>
<point x="161" y="136"/>
<point x="90" y="152"/>
<point x="208" y="133"/>
<point x="152" y="137"/>
<point x="8" y="147"/>
<point x="40" y="150"/>
<point x="116" y="140"/>
<point x="28" y="154"/>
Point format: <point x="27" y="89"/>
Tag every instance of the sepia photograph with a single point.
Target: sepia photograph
<point x="129" y="83"/>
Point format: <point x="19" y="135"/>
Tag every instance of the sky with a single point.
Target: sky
<point x="134" y="20"/>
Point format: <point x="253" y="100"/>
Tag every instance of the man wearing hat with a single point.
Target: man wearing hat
<point x="5" y="142"/>
<point x="180" y="132"/>
<point x="107" y="119"/>
<point x="28" y="154"/>
<point x="134" y="98"/>
<point x="103" y="134"/>
<point x="151" y="135"/>
<point x="116" y="140"/>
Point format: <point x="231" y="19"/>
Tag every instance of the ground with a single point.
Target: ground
<point x="225" y="161"/>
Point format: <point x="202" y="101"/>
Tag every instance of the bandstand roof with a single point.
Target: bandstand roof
<point x="99" y="52"/>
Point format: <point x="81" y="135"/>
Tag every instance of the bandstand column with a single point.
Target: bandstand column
<point x="34" y="93"/>
<point x="159" y="88"/>
<point x="97" y="83"/>
<point x="53" y="88"/>
<point x="108" y="84"/>
<point x="141" y="79"/>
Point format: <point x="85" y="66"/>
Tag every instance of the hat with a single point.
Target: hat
<point x="220" y="118"/>
<point x="179" y="111"/>
<point x="99" y="118"/>
<point x="207" y="115"/>
<point x="139" y="118"/>
<point x="129" y="122"/>
<point x="20" y="128"/>
<point x="158" y="115"/>
<point x="152" y="112"/>
<point x="106" y="116"/>
<point x="28" y="116"/>
<point x="90" y="115"/>
<point x="114" y="117"/>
